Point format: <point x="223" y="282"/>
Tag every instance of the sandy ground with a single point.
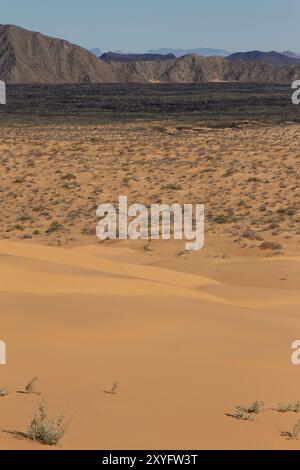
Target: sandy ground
<point x="183" y="348"/>
<point x="186" y="337"/>
<point x="54" y="177"/>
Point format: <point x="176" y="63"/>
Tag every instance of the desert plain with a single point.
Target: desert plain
<point x="142" y="344"/>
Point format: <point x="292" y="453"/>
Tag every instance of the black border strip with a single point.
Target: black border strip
<point x="153" y="458"/>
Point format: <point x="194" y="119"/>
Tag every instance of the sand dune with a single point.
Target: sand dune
<point x="187" y="336"/>
<point x="184" y="349"/>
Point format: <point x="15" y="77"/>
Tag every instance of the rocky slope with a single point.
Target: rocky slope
<point x="192" y="68"/>
<point x="30" y="57"/>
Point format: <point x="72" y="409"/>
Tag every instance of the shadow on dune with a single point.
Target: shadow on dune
<point x="16" y="434"/>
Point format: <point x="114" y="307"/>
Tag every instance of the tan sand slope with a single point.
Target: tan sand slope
<point x="184" y="349"/>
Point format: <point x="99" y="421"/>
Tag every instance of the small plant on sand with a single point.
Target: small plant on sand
<point x="294" y="434"/>
<point x="113" y="390"/>
<point x="221" y="219"/>
<point x="241" y="415"/>
<point x="290" y="408"/>
<point x="68" y="176"/>
<point x="270" y="246"/>
<point x="3" y="392"/>
<point x="31" y="386"/>
<point x="254" y="179"/>
<point x="255" y="408"/>
<point x="54" y="227"/>
<point x="45" y="430"/>
<point x="247" y="413"/>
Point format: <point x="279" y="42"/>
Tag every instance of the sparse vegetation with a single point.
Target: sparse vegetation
<point x="294" y="434"/>
<point x="273" y="246"/>
<point x="185" y="157"/>
<point x="4" y="391"/>
<point x="251" y="235"/>
<point x="68" y="176"/>
<point x="248" y="412"/>
<point x="242" y="415"/>
<point x="113" y="389"/>
<point x="172" y="186"/>
<point x="254" y="179"/>
<point x="55" y="227"/>
<point x="290" y="408"/>
<point x="45" y="430"/>
<point x="31" y="386"/>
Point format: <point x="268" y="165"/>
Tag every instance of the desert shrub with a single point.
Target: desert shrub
<point x="221" y="219"/>
<point x="290" y="408"/>
<point x="25" y="218"/>
<point x="251" y="235"/>
<point x="19" y="179"/>
<point x="88" y="230"/>
<point x="45" y="430"/>
<point x="290" y="211"/>
<point x="273" y="226"/>
<point x="54" y="227"/>
<point x="68" y="176"/>
<point x="254" y="179"/>
<point x="294" y="433"/>
<point x="3" y="392"/>
<point x="174" y="187"/>
<point x="31" y="386"/>
<point x="246" y="413"/>
<point x="296" y="430"/>
<point x="229" y="172"/>
<point x="256" y="407"/>
<point x="270" y="246"/>
<point x="18" y="227"/>
<point x="242" y="415"/>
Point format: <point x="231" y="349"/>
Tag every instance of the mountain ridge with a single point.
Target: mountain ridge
<point x="273" y="58"/>
<point x="31" y="57"/>
<point x="120" y="57"/>
<point x="203" y="51"/>
<point x="197" y="69"/>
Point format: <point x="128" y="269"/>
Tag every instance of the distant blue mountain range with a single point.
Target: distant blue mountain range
<point x="96" y="51"/>
<point x="271" y="57"/>
<point x="204" y="51"/>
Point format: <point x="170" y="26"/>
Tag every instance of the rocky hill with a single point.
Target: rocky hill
<point x="271" y="58"/>
<point x="118" y="57"/>
<point x="192" y="68"/>
<point x="30" y="57"/>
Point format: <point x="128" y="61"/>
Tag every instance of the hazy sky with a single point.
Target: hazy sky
<point x="139" y="25"/>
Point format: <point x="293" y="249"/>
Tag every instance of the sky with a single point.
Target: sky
<point x="140" y="25"/>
